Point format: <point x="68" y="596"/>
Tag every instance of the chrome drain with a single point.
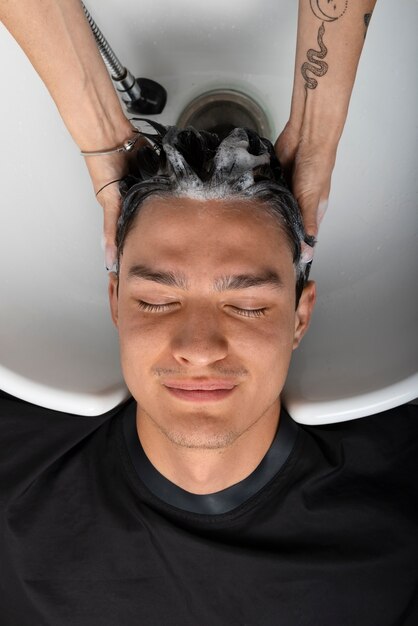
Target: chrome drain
<point x="221" y="110"/>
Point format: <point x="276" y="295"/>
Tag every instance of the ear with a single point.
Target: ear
<point x="304" y="312"/>
<point x="113" y="297"/>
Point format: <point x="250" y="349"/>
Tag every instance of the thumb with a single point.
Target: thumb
<point x="111" y="203"/>
<point x="313" y="210"/>
<point x="308" y="204"/>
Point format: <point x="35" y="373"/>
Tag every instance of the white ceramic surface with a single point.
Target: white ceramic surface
<point x="58" y="347"/>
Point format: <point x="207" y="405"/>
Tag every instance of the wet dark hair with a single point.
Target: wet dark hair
<point x="185" y="162"/>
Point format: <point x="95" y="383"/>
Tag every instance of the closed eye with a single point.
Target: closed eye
<point x="159" y="308"/>
<point x="250" y="312"/>
<point x="146" y="306"/>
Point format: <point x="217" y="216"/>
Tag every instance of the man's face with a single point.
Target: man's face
<point x="218" y="282"/>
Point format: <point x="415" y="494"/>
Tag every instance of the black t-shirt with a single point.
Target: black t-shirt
<point x="323" y="533"/>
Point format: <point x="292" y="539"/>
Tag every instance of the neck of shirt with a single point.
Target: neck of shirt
<point x="221" y="501"/>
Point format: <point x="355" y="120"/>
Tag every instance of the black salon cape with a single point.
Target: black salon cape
<point x="330" y="540"/>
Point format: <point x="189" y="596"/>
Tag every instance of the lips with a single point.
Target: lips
<point x="201" y="390"/>
<point x="196" y="385"/>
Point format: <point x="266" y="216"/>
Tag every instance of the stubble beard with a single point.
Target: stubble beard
<point x="199" y="430"/>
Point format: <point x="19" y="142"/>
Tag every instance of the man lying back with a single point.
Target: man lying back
<point x="200" y="501"/>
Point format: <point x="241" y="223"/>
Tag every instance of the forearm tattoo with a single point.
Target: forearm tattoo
<point x="315" y="65"/>
<point x="326" y="11"/>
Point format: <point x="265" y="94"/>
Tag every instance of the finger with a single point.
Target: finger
<point x="111" y="258"/>
<point x="309" y="211"/>
<point x="307" y="253"/>
<point x="312" y="217"/>
<point x="322" y="208"/>
<point x="109" y="232"/>
<point x="285" y="152"/>
<point x="111" y="203"/>
<point x="110" y="255"/>
<point x="311" y="225"/>
<point x="310" y="222"/>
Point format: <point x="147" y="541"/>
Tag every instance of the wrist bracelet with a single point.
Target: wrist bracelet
<point x="127" y="146"/>
<point x="117" y="180"/>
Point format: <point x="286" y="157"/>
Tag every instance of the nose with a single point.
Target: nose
<point x="199" y="339"/>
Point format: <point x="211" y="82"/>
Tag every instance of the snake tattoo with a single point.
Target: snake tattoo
<point x="316" y="65"/>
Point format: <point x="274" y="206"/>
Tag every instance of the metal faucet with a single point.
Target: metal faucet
<point x="140" y="95"/>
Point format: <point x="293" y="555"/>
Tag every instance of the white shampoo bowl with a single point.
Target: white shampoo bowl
<point x="58" y="347"/>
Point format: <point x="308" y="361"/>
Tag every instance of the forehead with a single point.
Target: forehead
<point x="197" y="233"/>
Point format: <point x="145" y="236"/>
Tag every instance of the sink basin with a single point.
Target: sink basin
<point x="58" y="347"/>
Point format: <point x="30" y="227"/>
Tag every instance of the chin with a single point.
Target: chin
<point x="201" y="438"/>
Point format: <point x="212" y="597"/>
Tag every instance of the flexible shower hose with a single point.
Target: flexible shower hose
<point x="114" y="66"/>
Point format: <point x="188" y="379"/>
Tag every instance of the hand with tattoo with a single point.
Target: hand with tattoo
<point x="330" y="39"/>
<point x="308" y="171"/>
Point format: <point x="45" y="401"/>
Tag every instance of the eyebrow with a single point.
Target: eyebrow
<point x="267" y="277"/>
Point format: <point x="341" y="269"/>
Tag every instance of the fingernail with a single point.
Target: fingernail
<point x="110" y="258"/>
<point x="113" y="268"/>
<point x="307" y="253"/>
<point x="322" y="207"/>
